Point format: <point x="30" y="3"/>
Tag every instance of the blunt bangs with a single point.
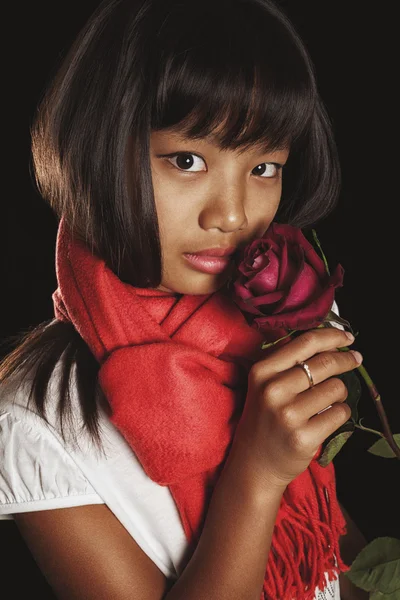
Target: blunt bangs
<point x="238" y="68"/>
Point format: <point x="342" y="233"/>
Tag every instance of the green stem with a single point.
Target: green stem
<point x="268" y="345"/>
<point x="359" y="426"/>
<point x="320" y="249"/>
<point x="376" y="397"/>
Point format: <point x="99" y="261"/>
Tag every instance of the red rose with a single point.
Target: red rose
<point x="283" y="282"/>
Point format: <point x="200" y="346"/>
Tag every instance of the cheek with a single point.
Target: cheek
<point x="171" y="213"/>
<point x="174" y="224"/>
<point x="165" y="204"/>
<point x="266" y="206"/>
<point x="275" y="199"/>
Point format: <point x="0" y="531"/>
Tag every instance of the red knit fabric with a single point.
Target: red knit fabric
<point x="174" y="370"/>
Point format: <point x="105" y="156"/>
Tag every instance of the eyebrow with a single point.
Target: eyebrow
<point x="212" y="138"/>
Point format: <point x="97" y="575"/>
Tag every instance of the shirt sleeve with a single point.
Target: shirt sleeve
<point x="36" y="471"/>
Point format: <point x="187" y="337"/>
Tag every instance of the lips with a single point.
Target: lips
<point x="207" y="263"/>
<point x="214" y="251"/>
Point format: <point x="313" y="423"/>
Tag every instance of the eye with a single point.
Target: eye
<point x="271" y="170"/>
<point x="185" y="161"/>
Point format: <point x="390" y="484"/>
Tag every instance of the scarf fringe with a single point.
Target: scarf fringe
<point x="305" y="547"/>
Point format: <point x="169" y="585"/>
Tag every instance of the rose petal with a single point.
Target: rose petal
<point x="297" y="238"/>
<point x="305" y="288"/>
<point x="247" y="307"/>
<point x="267" y="279"/>
<point x="260" y="262"/>
<point x="289" y="267"/>
<point x="267" y="299"/>
<point x="241" y="291"/>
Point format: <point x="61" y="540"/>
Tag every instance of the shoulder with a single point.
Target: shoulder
<point x="68" y="424"/>
<point x="37" y="470"/>
<point x="40" y="470"/>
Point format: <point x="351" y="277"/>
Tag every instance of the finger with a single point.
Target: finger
<point x="321" y="367"/>
<point x="301" y="348"/>
<point x="294" y="381"/>
<point x="324" y="424"/>
<point x="315" y="400"/>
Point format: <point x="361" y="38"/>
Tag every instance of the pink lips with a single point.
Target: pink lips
<point x="215" y="251"/>
<point x="211" y="260"/>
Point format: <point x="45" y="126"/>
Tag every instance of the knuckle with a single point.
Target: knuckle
<point x="343" y="411"/>
<point x="273" y="390"/>
<point x="287" y="417"/>
<point x="327" y="361"/>
<point x="299" y="440"/>
<point x="309" y="340"/>
<point x="337" y="388"/>
<point x="255" y="373"/>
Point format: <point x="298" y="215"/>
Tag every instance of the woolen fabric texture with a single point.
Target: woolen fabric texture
<point x="174" y="370"/>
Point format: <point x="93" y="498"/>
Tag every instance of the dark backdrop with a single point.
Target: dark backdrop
<point x="352" y="46"/>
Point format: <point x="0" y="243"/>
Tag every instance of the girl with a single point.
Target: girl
<point x="149" y="449"/>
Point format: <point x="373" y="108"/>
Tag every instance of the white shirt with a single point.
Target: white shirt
<point x="39" y="471"/>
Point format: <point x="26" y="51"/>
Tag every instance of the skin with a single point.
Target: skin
<point x="223" y="198"/>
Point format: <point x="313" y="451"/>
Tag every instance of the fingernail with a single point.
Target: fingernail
<point x="357" y="356"/>
<point x="350" y="336"/>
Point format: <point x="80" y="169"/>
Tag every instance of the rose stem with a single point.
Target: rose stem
<point x="360" y="426"/>
<point x="381" y="411"/>
<point x="375" y="395"/>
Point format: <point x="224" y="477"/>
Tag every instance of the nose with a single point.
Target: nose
<point x="225" y="211"/>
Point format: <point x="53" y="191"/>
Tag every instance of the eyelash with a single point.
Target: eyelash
<point x="278" y="166"/>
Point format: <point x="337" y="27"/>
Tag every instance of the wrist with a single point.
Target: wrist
<point x="257" y="485"/>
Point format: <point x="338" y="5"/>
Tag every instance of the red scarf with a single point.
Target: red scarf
<point x="174" y="370"/>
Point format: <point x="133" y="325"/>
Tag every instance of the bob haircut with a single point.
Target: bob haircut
<point x="143" y="65"/>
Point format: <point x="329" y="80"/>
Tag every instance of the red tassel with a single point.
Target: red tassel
<point x="296" y="572"/>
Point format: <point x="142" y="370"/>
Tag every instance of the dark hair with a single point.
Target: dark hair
<point x="143" y="65"/>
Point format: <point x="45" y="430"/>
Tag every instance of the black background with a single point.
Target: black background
<point x="353" y="49"/>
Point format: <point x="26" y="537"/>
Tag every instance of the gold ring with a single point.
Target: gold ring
<point x="307" y="371"/>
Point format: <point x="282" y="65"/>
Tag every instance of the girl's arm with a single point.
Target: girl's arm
<point x="86" y="554"/>
<point x="350" y="545"/>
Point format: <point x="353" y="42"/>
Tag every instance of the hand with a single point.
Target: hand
<point x="280" y="429"/>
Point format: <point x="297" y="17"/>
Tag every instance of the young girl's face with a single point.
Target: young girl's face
<point x="209" y="198"/>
